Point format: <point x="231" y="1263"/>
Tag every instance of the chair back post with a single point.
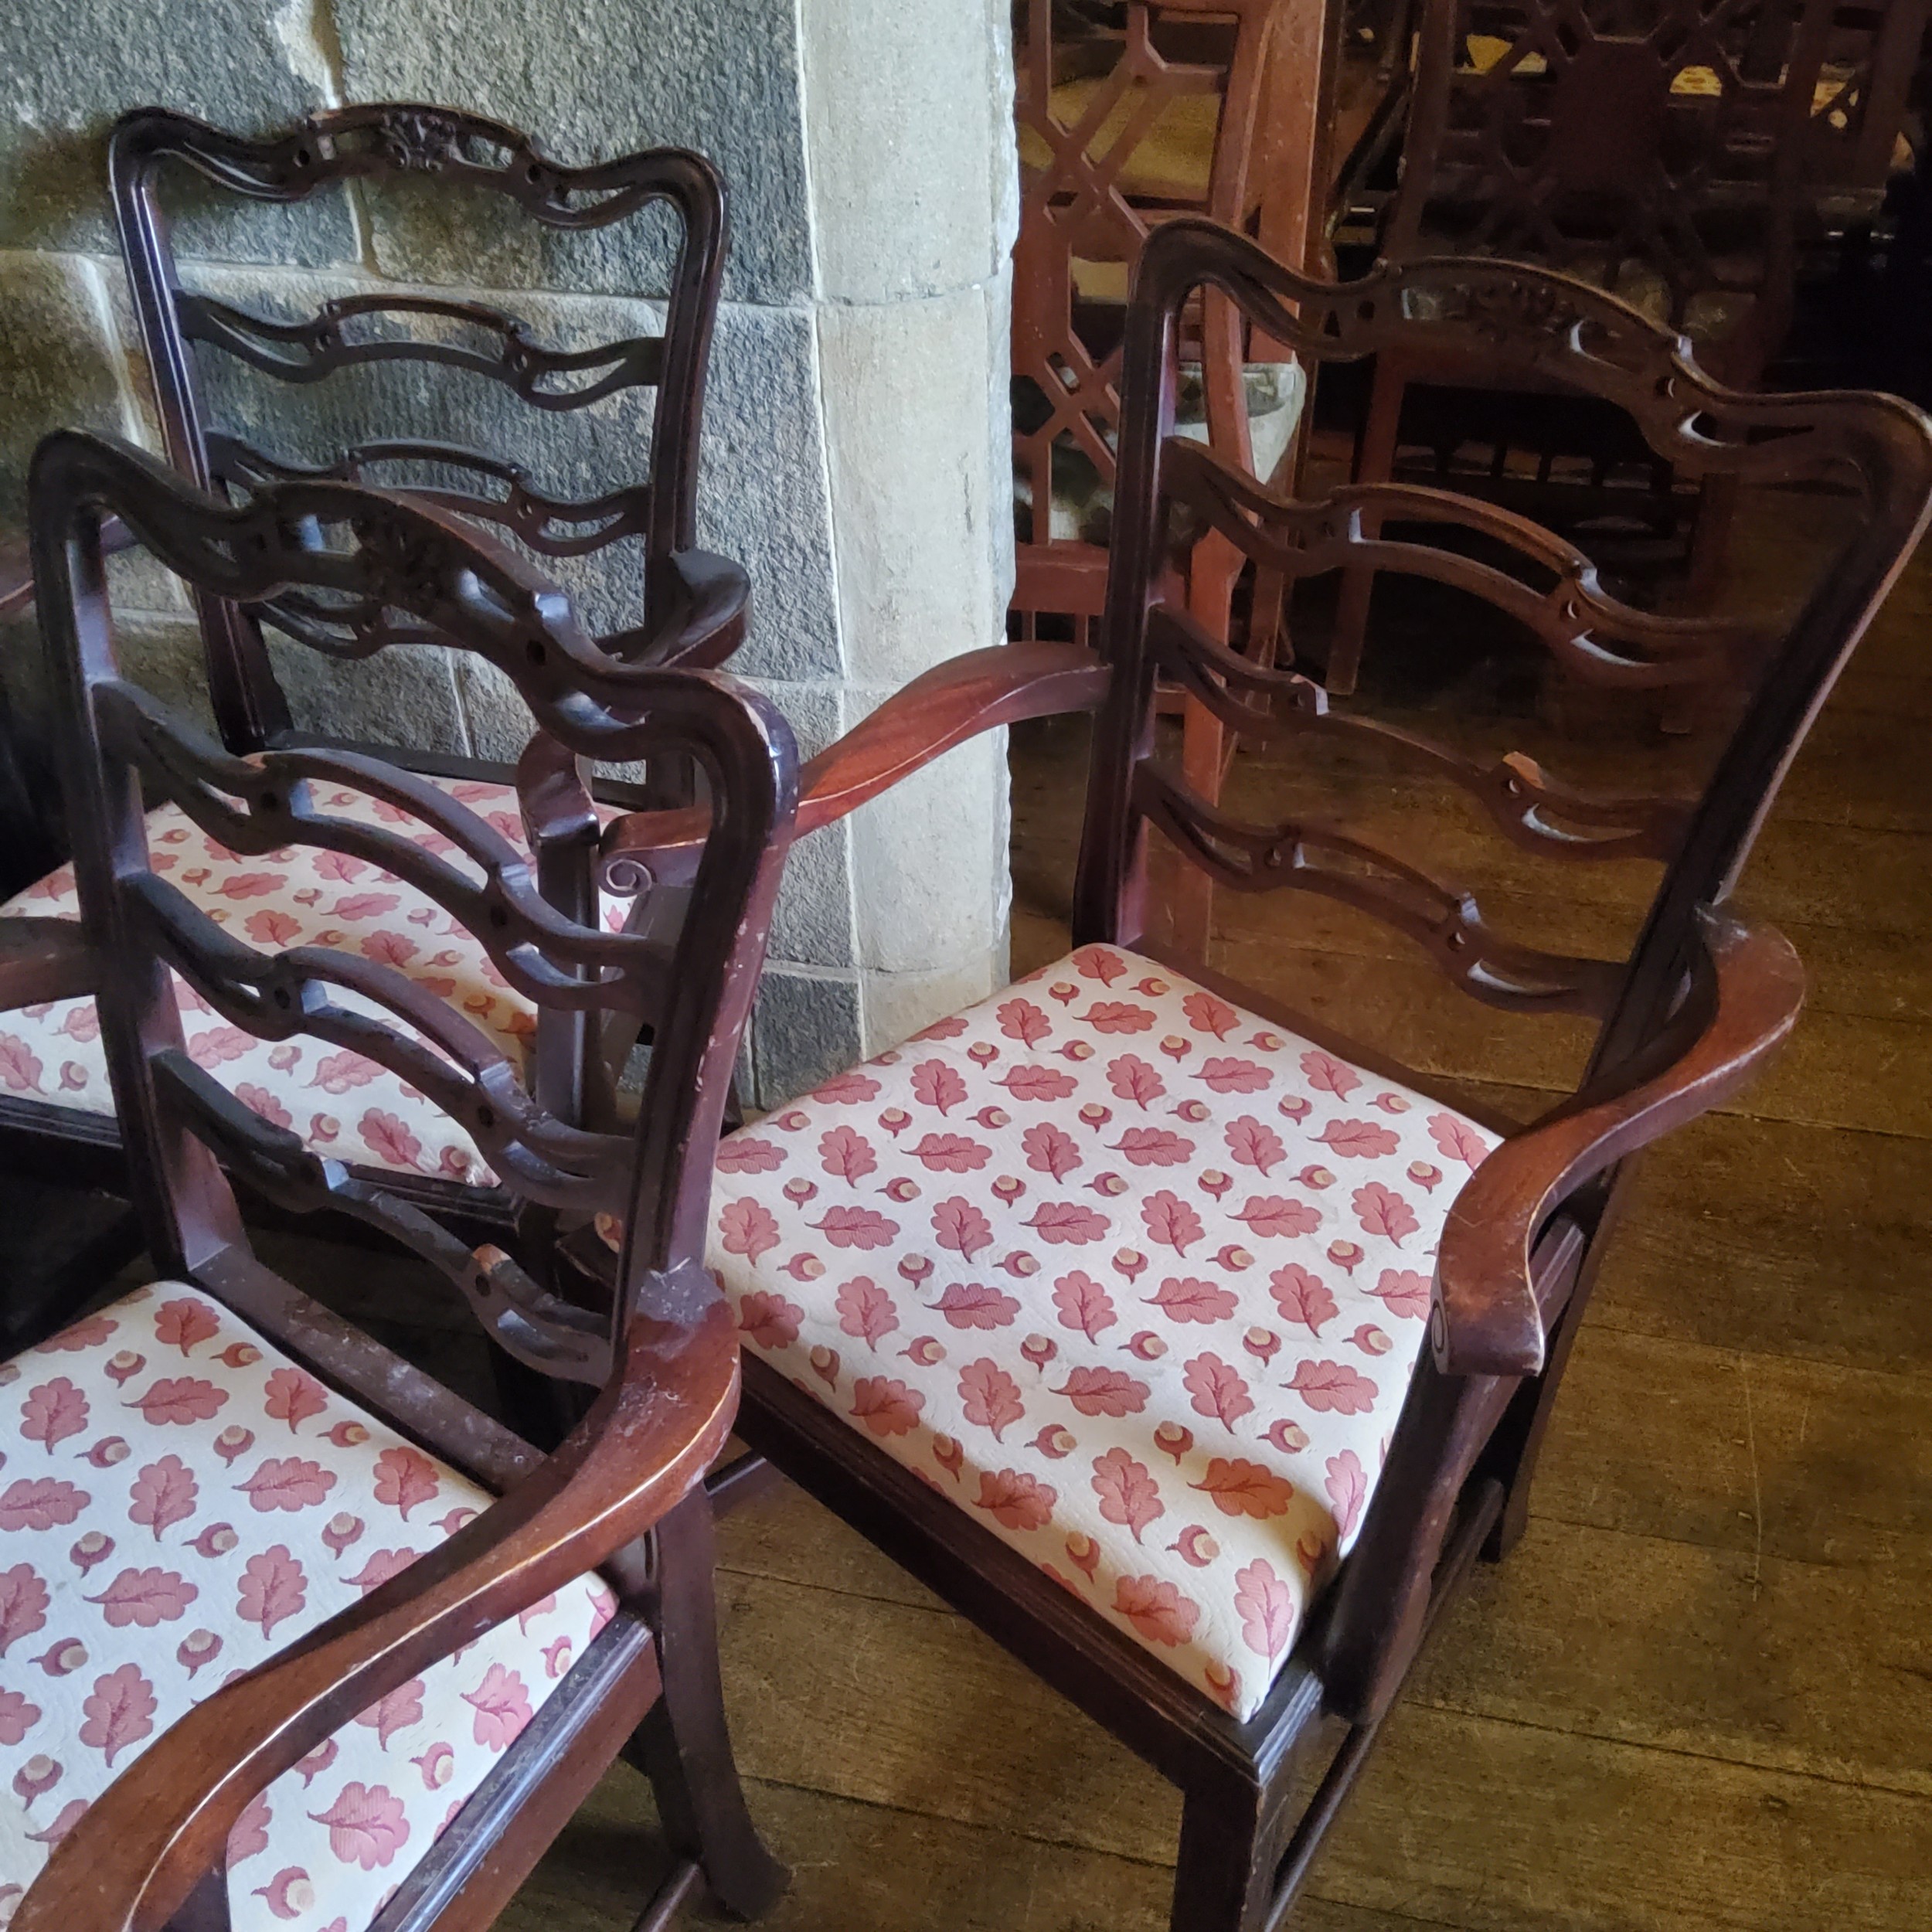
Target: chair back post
<point x="1565" y="335"/>
<point x="368" y="565"/>
<point x="392" y="141"/>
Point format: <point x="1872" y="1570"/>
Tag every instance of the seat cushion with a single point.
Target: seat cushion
<point x="1135" y="1277"/>
<point x="339" y="1102"/>
<point x="178" y="1503"/>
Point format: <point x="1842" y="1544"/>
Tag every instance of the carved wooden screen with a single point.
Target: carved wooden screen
<point x="369" y="570"/>
<point x="1569" y="336"/>
<point x="401" y="143"/>
<point x="1130" y="112"/>
<point x="1654" y="147"/>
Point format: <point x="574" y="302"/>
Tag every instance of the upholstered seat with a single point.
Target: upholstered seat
<point x="1136" y="1277"/>
<point x="340" y="1102"/>
<point x="179" y="1503"/>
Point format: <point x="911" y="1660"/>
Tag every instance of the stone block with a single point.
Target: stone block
<point x="909" y="116"/>
<point x="251" y="65"/>
<point x="588" y="84"/>
<point x="404" y="697"/>
<point x="63" y="362"/>
<point x="812" y="925"/>
<point x="898" y="1005"/>
<point x="929" y="881"/>
<point x="804" y="1028"/>
<point x="920" y="481"/>
<point x="761" y="497"/>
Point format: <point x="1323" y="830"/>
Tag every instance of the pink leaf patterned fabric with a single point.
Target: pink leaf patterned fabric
<point x="340" y="1104"/>
<point x="172" y="1543"/>
<point x="1136" y="1278"/>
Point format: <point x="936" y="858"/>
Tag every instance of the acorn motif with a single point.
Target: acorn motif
<point x="1197" y="1546"/>
<point x="1372" y="1340"/>
<point x="1055" y="1441"/>
<point x="94" y="1547"/>
<point x="1094" y="1115"/>
<point x="895" y="1119"/>
<point x="949" y="1455"/>
<point x="233" y="1441"/>
<point x="804" y="1267"/>
<point x="121" y="1366"/>
<point x="1176" y="1048"/>
<point x="1040" y="1350"/>
<point x="992" y="1118"/>
<point x="1129" y="1262"/>
<point x="1194" y="1112"/>
<point x="1065" y="994"/>
<point x="983" y="1052"/>
<point x="1288" y="1437"/>
<point x="824" y="1365"/>
<point x="1234" y="1259"/>
<point x="39" y="1773"/>
<point x="63" y="1659"/>
<point x="1294" y="1108"/>
<point x="348" y="1435"/>
<point x="1315" y="1177"/>
<point x="1146" y="1345"/>
<point x="1007" y="1188"/>
<point x="1111" y="1184"/>
<point x="240" y="1354"/>
<point x="1151" y="988"/>
<point x="341" y="1530"/>
<point x="799" y="1191"/>
<point x="1172" y="1439"/>
<point x="1424" y="1175"/>
<point x="1215" y="1182"/>
<point x="1020" y="1264"/>
<point x="915" y="1268"/>
<point x="925" y="1350"/>
<point x="197" y="1647"/>
<point x="1345" y="1254"/>
<point x="1076" y="1049"/>
<point x="1262" y="1344"/>
<point x="902" y="1190"/>
<point x="108" y="1451"/>
<point x="216" y="1540"/>
<point x="1084" y="1554"/>
<point x="289" y="1893"/>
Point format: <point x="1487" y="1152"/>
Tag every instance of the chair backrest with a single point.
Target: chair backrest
<point x="1657" y="150"/>
<point x="409" y="145"/>
<point x="368" y="567"/>
<point x="1567" y="336"/>
<point x="1131" y="113"/>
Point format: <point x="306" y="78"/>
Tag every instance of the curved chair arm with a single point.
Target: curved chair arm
<point x="139" y="1852"/>
<point x="43" y="959"/>
<point x="700" y="604"/>
<point x="1485" y="1318"/>
<point x="976" y="692"/>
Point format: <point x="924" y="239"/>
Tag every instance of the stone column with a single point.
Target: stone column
<point x="855" y="438"/>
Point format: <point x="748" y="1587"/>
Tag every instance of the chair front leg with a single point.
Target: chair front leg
<point x="684" y="1746"/>
<point x="1231" y="1846"/>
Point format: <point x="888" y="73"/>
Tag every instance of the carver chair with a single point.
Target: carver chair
<point x="666" y="601"/>
<point x="1669" y="161"/>
<point x="299" y="1663"/>
<point x="1190" y="1346"/>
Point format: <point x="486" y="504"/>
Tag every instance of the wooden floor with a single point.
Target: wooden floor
<point x="1700" y="1693"/>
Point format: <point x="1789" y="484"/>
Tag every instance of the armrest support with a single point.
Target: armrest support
<point x="1486" y="1319"/>
<point x="43" y="959"/>
<point x="976" y="692"/>
<point x="138" y="1853"/>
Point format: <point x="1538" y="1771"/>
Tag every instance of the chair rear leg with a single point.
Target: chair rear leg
<point x="684" y="1746"/>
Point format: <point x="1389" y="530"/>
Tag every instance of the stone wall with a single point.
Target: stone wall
<point x="856" y="452"/>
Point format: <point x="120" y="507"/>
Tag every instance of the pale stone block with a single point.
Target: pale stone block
<point x="929" y="879"/>
<point x="920" y="481"/>
<point x="588" y="84"/>
<point x="253" y="66"/>
<point x="898" y="1005"/>
<point x="909" y="117"/>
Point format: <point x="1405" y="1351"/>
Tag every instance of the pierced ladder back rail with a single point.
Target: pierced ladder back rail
<point x="662" y="1358"/>
<point x="690" y="607"/>
<point x="1229" y="1679"/>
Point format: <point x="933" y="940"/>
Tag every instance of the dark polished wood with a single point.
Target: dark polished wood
<point x="1691" y="1010"/>
<point x="663" y="1360"/>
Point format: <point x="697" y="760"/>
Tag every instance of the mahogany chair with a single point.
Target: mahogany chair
<point x="1663" y="160"/>
<point x="373" y="1693"/>
<point x="1102" y="1305"/>
<point x="689" y="607"/>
